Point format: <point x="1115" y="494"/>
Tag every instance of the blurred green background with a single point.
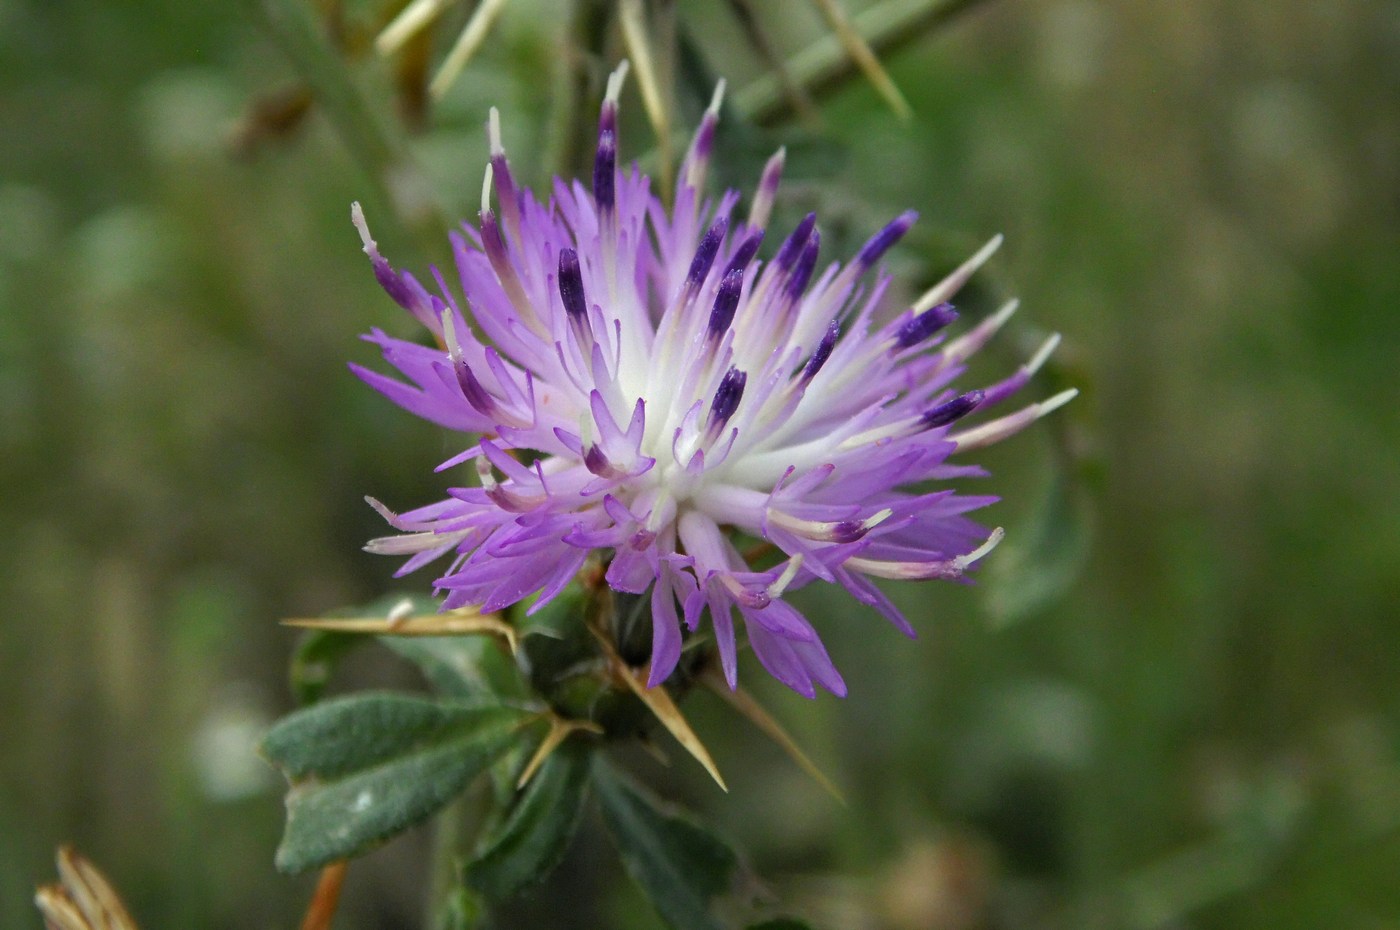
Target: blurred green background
<point x="1172" y="703"/>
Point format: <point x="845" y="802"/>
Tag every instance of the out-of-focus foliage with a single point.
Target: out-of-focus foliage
<point x="1202" y="730"/>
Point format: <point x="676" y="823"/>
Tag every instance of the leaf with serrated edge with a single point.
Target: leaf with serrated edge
<point x="367" y="767"/>
<point x="536" y="834"/>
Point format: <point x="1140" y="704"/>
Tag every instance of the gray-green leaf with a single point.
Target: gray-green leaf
<point x="364" y="768"/>
<point x="536" y="834"/>
<point x="314" y="660"/>
<point x="462" y="666"/>
<point x="679" y="865"/>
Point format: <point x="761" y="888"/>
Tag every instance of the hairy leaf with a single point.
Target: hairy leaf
<point x="364" y="768"/>
<point x="315" y="659"/>
<point x="462" y="666"/>
<point x="678" y="864"/>
<point x="319" y="650"/>
<point x="536" y="834"/>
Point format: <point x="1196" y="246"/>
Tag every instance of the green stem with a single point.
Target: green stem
<point x="399" y="187"/>
<point x="798" y="101"/>
<point x="571" y="142"/>
<point x="824" y="65"/>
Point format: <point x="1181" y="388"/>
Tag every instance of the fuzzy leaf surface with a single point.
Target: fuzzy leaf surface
<point x="537" y="832"/>
<point x="366" y="767"/>
<point x="462" y="666"/>
<point x="314" y="661"/>
<point x="678" y="864"/>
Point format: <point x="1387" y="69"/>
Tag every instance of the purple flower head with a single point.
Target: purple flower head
<point x="640" y="387"/>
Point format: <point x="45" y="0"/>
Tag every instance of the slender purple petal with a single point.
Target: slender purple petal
<point x="919" y="326"/>
<point x="648" y="422"/>
<point x="955" y="409"/>
<point x="726" y="303"/>
<point x="731" y="391"/>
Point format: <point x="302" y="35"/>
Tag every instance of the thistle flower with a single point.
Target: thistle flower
<point x="645" y="389"/>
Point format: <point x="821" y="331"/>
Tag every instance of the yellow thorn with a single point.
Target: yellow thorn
<point x="413" y="19"/>
<point x="452" y="623"/>
<point x="559" y="730"/>
<point x="744" y="703"/>
<point x="84" y="901"/>
<point x="482" y="19"/>
<point x="865" y="59"/>
<point x="634" y="35"/>
<point x="659" y="702"/>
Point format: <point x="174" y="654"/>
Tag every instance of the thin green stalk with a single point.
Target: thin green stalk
<point x="824" y="65"/>
<point x="570" y="144"/>
<point x="401" y="191"/>
<point x="797" y="99"/>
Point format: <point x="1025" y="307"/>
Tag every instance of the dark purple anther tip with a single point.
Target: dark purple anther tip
<point x="605" y="170"/>
<point x="819" y="357"/>
<point x="571" y="284"/>
<point x="726" y="303"/>
<point x="745" y="253"/>
<point x="727" y="397"/>
<point x="919" y="327"/>
<point x="472" y="389"/>
<point x="595" y="461"/>
<point x="393" y="285"/>
<point x="806" y="263"/>
<point x="880" y="243"/>
<point x="491" y="239"/>
<point x="955" y="409"/>
<point x="501" y="177"/>
<point x="607" y="116"/>
<point x="705" y="136"/>
<point x="848" y="531"/>
<point x="705" y="254"/>
<point x="792" y="247"/>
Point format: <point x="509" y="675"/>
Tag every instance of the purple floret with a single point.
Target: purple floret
<point x="677" y="398"/>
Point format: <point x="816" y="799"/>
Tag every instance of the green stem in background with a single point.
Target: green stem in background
<point x="649" y="46"/>
<point x="399" y="188"/>
<point x="824" y="65"/>
<point x="570" y="144"/>
<point x="859" y="52"/>
<point x="797" y="99"/>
